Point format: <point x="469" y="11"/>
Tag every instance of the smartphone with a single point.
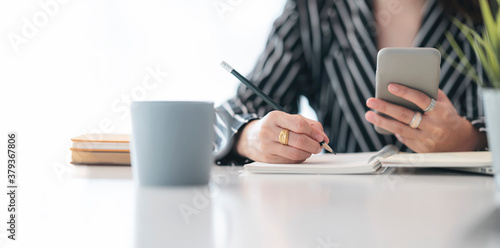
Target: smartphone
<point x="416" y="68"/>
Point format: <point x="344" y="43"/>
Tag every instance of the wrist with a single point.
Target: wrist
<point x="475" y="140"/>
<point x="242" y="140"/>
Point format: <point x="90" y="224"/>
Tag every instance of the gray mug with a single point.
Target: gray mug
<point x="171" y="142"/>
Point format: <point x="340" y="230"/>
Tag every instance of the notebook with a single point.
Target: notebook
<point x="377" y="162"/>
<point x="439" y="159"/>
<point x="476" y="162"/>
<point x="345" y="163"/>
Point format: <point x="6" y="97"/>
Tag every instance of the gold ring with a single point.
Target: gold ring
<point x="284" y="136"/>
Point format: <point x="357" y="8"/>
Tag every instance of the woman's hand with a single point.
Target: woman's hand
<point x="259" y="139"/>
<point x="440" y="129"/>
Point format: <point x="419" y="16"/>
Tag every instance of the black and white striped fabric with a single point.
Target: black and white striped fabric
<point x="326" y="51"/>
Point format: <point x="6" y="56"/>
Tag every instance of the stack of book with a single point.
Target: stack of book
<point x="101" y="149"/>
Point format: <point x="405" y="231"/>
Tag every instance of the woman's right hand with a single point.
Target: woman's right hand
<point x="259" y="139"/>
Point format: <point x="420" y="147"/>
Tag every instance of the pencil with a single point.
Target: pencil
<point x="264" y="96"/>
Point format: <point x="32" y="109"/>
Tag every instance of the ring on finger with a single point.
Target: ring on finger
<point x="283" y="138"/>
<point x="431" y="105"/>
<point x="415" y="121"/>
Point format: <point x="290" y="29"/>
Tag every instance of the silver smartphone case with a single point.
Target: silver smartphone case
<point x="417" y="68"/>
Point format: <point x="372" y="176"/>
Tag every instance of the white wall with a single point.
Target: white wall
<point x="72" y="67"/>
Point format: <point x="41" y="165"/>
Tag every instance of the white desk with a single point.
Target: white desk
<point x="408" y="208"/>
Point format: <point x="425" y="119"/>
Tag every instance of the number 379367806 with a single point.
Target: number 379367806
<point x="11" y="154"/>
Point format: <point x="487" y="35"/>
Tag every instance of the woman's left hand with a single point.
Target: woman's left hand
<point x="440" y="129"/>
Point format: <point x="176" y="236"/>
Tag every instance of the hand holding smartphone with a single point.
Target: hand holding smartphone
<point x="416" y="68"/>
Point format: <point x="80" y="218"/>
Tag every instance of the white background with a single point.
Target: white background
<point x="72" y="67"/>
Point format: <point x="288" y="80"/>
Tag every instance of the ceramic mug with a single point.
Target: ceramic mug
<point x="171" y="142"/>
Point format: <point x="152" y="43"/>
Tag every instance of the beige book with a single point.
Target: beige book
<point x="101" y="142"/>
<point x="100" y="158"/>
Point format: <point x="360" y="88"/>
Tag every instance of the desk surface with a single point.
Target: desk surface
<point x="406" y="208"/>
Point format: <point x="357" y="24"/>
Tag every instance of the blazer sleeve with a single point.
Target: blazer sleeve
<point x="281" y="72"/>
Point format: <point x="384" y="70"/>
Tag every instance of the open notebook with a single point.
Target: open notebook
<point x="345" y="163"/>
<point x="376" y="162"/>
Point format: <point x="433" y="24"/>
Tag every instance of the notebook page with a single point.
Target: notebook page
<point x="439" y="159"/>
<point x="323" y="163"/>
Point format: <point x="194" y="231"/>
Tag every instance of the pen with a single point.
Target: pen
<point x="266" y="98"/>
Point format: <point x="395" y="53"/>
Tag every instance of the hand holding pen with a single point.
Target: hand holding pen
<point x="279" y="137"/>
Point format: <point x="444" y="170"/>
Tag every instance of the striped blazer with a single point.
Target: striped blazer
<point x="326" y="51"/>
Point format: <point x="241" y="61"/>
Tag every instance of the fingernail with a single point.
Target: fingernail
<point x="370" y="117"/>
<point x="318" y="137"/>
<point x="372" y="104"/>
<point x="393" y="88"/>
